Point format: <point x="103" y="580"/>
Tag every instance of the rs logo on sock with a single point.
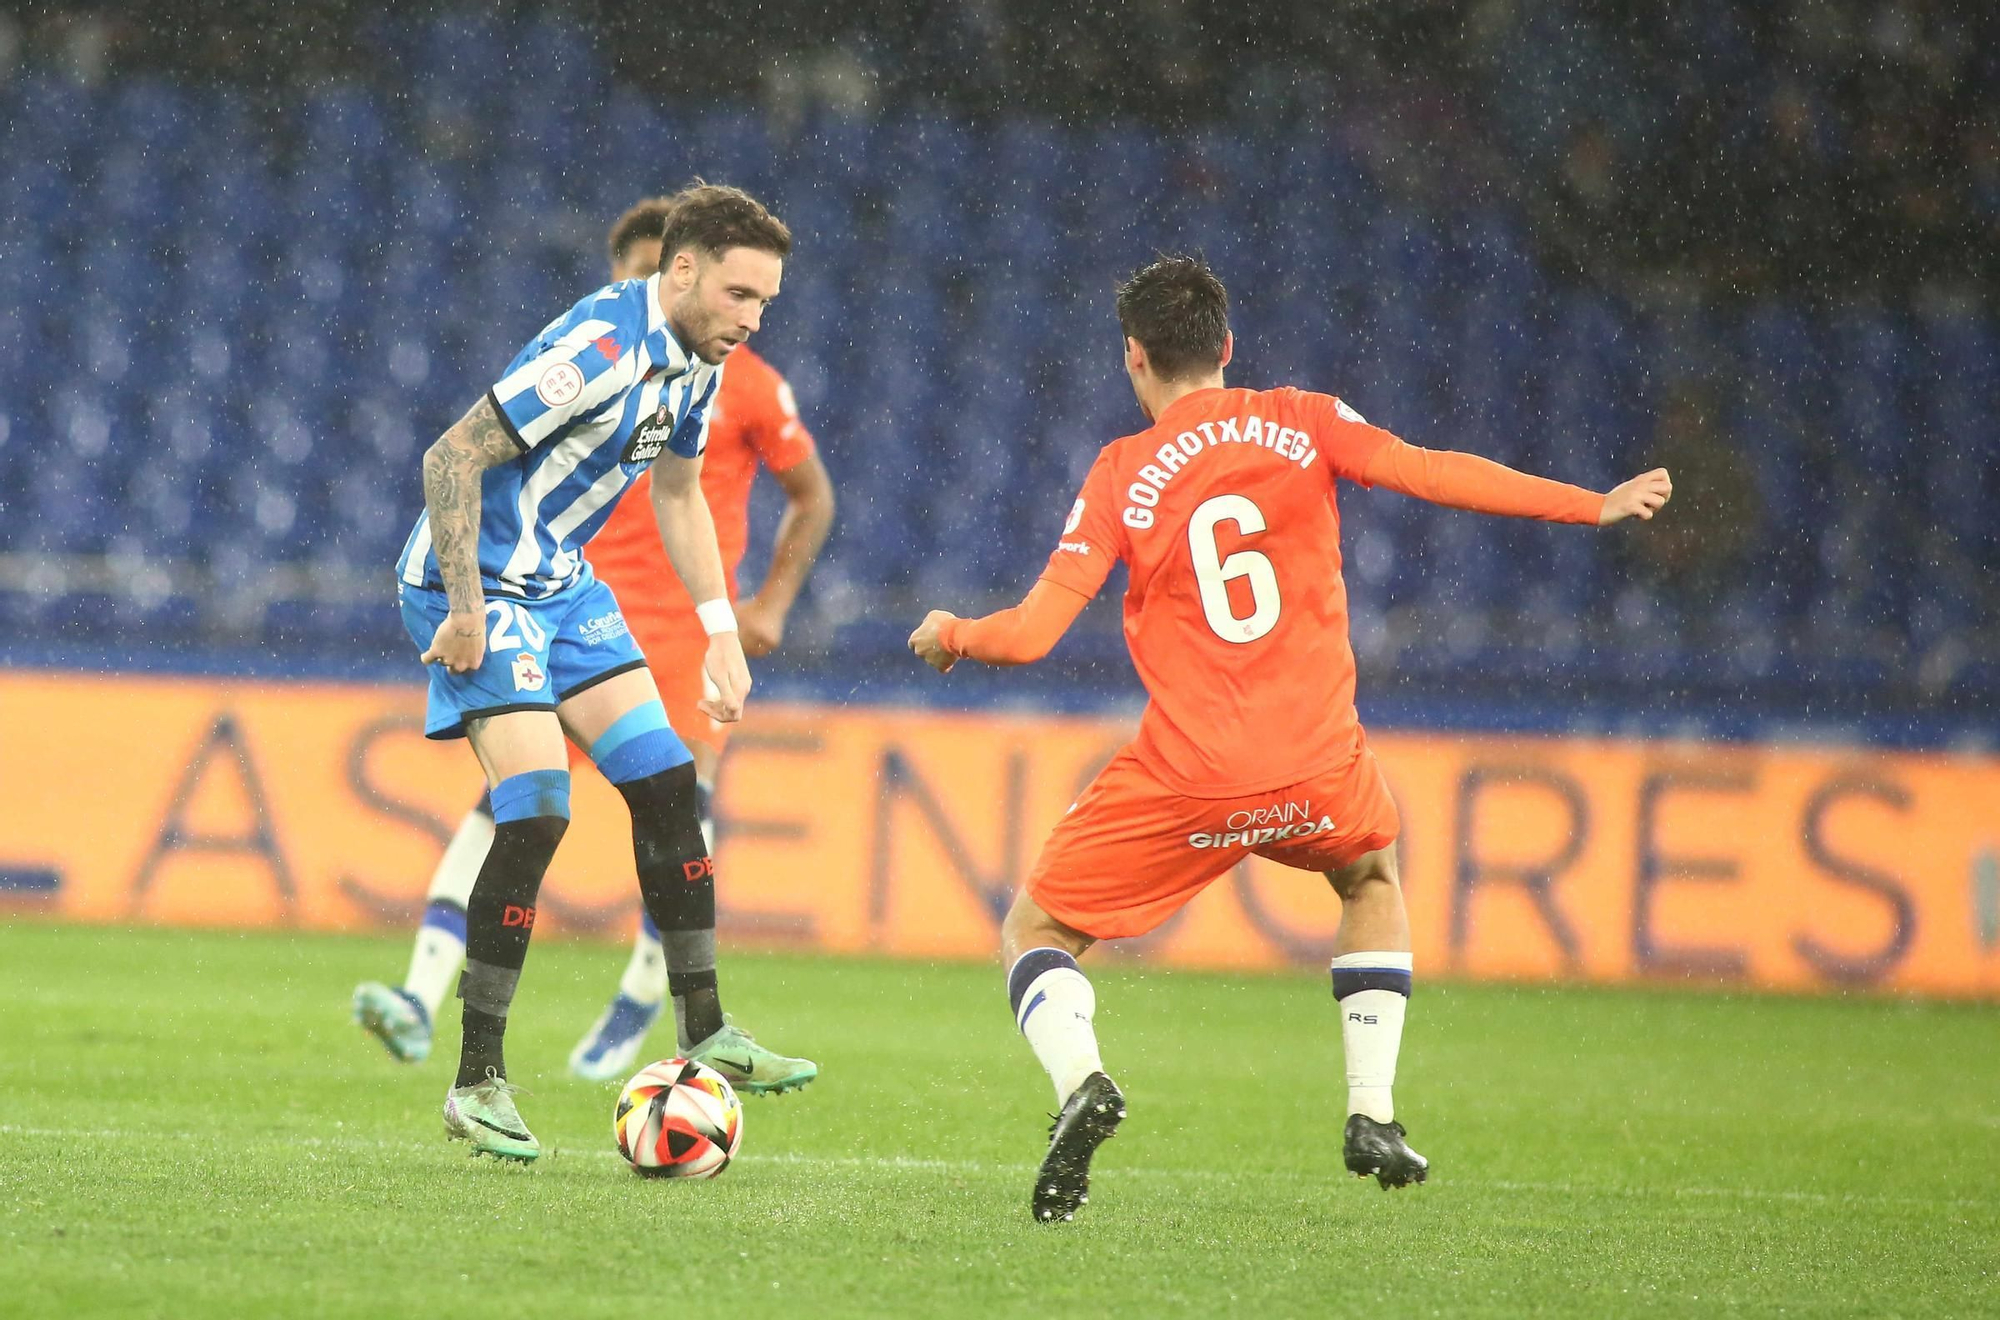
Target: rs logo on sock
<point x="700" y="869"/>
<point x="1369" y="1018"/>
<point x="516" y="915"/>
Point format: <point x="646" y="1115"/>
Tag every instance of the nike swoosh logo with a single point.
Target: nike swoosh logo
<point x="745" y="1065"/>
<point x="495" y="1127"/>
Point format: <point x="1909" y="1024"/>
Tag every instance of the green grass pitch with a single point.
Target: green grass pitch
<point x="189" y="1126"/>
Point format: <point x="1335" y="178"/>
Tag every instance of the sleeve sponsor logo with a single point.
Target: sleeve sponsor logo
<point x="560" y="384"/>
<point x="1073" y="547"/>
<point x="1348" y="414"/>
<point x="649" y="437"/>
<point x="787" y="400"/>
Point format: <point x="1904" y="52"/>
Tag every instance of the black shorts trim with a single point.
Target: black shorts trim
<point x="507" y="421"/>
<point x="487" y="712"/>
<point x="608" y="674"/>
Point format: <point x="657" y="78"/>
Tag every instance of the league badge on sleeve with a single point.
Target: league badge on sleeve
<point x="528" y="675"/>
<point x="649" y="437"/>
<point x="559" y="385"/>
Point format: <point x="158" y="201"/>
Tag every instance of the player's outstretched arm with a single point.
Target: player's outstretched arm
<point x="452" y="470"/>
<point x="1017" y="636"/>
<point x="687" y="533"/>
<point x="1467" y="481"/>
<point x="801" y="532"/>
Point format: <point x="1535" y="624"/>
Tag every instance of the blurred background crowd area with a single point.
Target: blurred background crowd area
<point x="250" y="266"/>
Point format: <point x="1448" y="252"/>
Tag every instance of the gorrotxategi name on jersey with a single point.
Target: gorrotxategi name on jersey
<point x="592" y="400"/>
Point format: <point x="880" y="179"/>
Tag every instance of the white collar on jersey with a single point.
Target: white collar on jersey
<point x="665" y="348"/>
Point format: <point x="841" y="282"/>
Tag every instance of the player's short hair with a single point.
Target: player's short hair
<point x="1179" y="312"/>
<point x="646" y="220"/>
<point x="711" y="218"/>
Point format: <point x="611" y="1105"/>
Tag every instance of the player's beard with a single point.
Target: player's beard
<point x="699" y="329"/>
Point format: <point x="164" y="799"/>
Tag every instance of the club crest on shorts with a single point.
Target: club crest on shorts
<point x="528" y="675"/>
<point x="649" y="437"/>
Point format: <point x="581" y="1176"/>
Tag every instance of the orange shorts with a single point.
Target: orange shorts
<point x="674" y="647"/>
<point x="1132" y="851"/>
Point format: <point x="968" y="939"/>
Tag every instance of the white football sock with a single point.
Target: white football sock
<point x="1373" y="990"/>
<point x="458" y="870"/>
<point x="440" y="946"/>
<point x="645" y="979"/>
<point x="1053" y="1006"/>
<point x="434" y="963"/>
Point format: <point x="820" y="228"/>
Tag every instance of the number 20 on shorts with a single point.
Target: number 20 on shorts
<point x="507" y="616"/>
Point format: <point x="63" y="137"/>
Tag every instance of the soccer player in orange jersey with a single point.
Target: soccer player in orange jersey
<point x="755" y="423"/>
<point x="1223" y="511"/>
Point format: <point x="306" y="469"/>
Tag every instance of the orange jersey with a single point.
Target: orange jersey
<point x="1236" y="615"/>
<point x="755" y="420"/>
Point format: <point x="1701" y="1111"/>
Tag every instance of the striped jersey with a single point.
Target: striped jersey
<point x="592" y="400"/>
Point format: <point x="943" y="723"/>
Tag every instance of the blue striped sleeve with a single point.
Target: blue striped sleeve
<point x="587" y="364"/>
<point x="690" y="437"/>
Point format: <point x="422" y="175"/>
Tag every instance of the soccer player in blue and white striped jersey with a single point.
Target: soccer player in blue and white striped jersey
<point x="527" y="645"/>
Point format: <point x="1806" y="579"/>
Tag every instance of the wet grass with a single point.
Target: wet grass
<point x="190" y="1126"/>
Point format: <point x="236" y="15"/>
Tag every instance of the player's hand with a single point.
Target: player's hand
<point x="725" y="679"/>
<point x="760" y="625"/>
<point x="1641" y="497"/>
<point x="924" y="641"/>
<point x="460" y="643"/>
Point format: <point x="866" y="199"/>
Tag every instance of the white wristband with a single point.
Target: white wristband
<point x="716" y="616"/>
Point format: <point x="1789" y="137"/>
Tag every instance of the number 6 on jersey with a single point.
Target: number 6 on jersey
<point x="1212" y="573"/>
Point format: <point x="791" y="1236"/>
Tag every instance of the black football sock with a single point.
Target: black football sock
<point x="690" y="954"/>
<point x="531" y="813"/>
<point x="482" y="1047"/>
<point x="677" y="882"/>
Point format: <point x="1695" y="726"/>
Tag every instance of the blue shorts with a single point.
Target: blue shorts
<point x="538" y="652"/>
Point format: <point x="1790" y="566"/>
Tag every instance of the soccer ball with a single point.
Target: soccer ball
<point x="678" y="1119"/>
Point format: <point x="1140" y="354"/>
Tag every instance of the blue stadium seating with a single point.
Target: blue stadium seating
<point x="279" y="303"/>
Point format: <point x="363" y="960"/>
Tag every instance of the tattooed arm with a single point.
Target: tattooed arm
<point x="452" y="468"/>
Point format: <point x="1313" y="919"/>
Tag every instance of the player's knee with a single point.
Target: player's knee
<point x="534" y="796"/>
<point x="1026" y="926"/>
<point x="531" y="815"/>
<point x="639" y="745"/>
<point x="666" y="818"/>
<point x="538" y="834"/>
<point x="1377" y="868"/>
<point x="670" y="793"/>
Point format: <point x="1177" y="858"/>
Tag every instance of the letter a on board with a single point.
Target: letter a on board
<point x="224" y="746"/>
